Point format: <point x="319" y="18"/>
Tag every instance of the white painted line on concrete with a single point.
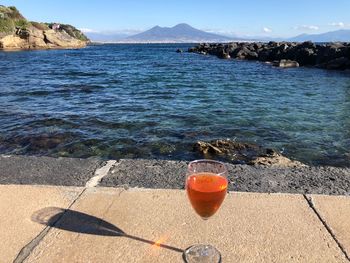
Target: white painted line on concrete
<point x="99" y="174"/>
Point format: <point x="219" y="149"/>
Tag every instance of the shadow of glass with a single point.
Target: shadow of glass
<point x="79" y="222"/>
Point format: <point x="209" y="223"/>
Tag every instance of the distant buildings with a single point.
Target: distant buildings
<point x="55" y="26"/>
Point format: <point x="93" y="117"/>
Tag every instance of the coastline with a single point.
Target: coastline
<point x="18" y="33"/>
<point x="163" y="174"/>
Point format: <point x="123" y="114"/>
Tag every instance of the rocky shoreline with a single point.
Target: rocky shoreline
<point x="335" y="56"/>
<point x="33" y="38"/>
<point x="17" y="33"/>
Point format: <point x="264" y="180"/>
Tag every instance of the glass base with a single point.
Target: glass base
<point x="202" y="254"/>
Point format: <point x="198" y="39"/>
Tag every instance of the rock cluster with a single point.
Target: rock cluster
<point x="282" y="54"/>
<point x="243" y="153"/>
<point x="32" y="38"/>
<point x="16" y="32"/>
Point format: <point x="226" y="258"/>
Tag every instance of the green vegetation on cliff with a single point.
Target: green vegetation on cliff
<point x="10" y="18"/>
<point x="71" y="30"/>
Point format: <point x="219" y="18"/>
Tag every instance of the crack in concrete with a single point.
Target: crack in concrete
<point x="27" y="249"/>
<point x="329" y="230"/>
<point x="93" y="182"/>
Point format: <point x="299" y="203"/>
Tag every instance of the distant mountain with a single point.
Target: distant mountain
<point x="184" y="33"/>
<point x="342" y="35"/>
<point x="181" y="33"/>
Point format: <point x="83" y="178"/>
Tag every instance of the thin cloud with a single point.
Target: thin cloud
<point x="219" y="31"/>
<point x="267" y="30"/>
<point x="307" y="27"/>
<point x="337" y="24"/>
<point x="130" y="31"/>
<point x="126" y="31"/>
<point x="87" y="30"/>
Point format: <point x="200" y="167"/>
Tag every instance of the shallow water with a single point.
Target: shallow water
<point x="132" y="101"/>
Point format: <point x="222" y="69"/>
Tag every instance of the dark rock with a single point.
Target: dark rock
<point x="224" y="55"/>
<point x="242" y="53"/>
<point x="265" y="55"/>
<point x="306" y="56"/>
<point x="272" y="44"/>
<point x="247" y="153"/>
<point x="329" y="52"/>
<point x="230" y="48"/>
<point x="252" y="56"/>
<point x="257" y="45"/>
<point x="227" y="149"/>
<point x="179" y="50"/>
<point x="245" y="53"/>
<point x="283" y="47"/>
<point x="22" y="33"/>
<point x="338" y="63"/>
<point x="283" y="54"/>
<point x="232" y="45"/>
<point x="307" y="44"/>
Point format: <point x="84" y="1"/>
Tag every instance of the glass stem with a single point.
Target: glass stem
<point x="205" y="241"/>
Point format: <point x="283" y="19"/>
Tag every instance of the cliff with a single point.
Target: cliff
<point x="16" y="32"/>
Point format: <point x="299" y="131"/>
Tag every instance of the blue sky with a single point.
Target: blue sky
<point x="253" y="17"/>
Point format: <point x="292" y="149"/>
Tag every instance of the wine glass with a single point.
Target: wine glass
<point x="206" y="185"/>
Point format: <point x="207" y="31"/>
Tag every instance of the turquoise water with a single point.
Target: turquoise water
<point x="147" y="101"/>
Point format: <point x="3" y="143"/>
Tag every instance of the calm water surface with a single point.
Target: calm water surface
<point x="131" y="101"/>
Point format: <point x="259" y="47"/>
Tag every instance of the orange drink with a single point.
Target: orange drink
<point x="206" y="192"/>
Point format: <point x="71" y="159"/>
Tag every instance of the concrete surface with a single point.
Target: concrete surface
<point x="105" y="224"/>
<point x="117" y="225"/>
<point x="17" y="204"/>
<point x="335" y="212"/>
<point x="46" y="170"/>
<point x="171" y="175"/>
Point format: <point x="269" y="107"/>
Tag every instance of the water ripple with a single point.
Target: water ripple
<point x="147" y="101"/>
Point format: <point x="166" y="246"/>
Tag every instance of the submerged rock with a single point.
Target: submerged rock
<point x="243" y="153"/>
<point x="275" y="160"/>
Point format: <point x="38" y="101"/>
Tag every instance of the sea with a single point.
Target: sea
<point x="147" y="101"/>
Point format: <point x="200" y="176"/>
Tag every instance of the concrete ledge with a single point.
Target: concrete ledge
<point x="167" y="174"/>
<point x="46" y="170"/>
<point x="171" y="175"/>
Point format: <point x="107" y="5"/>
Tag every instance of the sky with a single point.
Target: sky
<point x="273" y="18"/>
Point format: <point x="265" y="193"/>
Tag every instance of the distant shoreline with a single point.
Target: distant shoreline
<point x="196" y="42"/>
<point x="155" y="42"/>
